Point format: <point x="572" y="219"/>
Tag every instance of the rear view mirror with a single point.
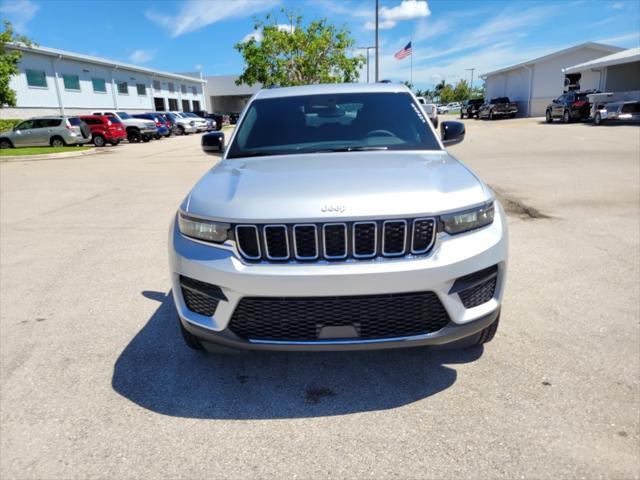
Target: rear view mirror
<point x="451" y="133"/>
<point x="213" y="142"/>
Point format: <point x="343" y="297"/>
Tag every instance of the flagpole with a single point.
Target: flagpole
<point x="411" y="74"/>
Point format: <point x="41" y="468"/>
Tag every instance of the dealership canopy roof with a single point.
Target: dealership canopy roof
<point x="79" y="57"/>
<point x="597" y="46"/>
<point x="625" y="56"/>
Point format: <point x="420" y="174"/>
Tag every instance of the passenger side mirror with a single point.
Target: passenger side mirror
<point x="451" y="133"/>
<point x="213" y="142"/>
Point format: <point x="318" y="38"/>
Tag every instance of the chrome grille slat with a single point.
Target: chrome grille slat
<point x="271" y="243"/>
<point x="358" y="232"/>
<point x="428" y="224"/>
<point x="299" y="243"/>
<point x="328" y="237"/>
<point x="336" y="240"/>
<point x="389" y="236"/>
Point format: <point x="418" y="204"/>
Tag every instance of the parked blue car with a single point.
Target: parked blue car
<point x="163" y="129"/>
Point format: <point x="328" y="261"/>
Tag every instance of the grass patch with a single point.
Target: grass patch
<point x="10" y="152"/>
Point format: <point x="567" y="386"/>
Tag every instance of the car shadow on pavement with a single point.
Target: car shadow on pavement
<point x="158" y="372"/>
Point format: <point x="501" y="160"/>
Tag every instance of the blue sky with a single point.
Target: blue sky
<point x="448" y="36"/>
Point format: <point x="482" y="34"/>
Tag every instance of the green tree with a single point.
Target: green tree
<point x="9" y="60"/>
<point x="409" y="85"/>
<point x="298" y="55"/>
<point x="447" y="94"/>
<point x="461" y="91"/>
<point x="438" y="88"/>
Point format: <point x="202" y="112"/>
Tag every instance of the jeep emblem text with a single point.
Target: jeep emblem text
<point x="334" y="208"/>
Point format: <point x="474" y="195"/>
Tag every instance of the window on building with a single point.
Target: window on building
<point x="142" y="89"/>
<point x="194" y="90"/>
<point x="71" y="82"/>
<point x="183" y="89"/>
<point x="185" y="106"/>
<point x="196" y="106"/>
<point x="99" y="85"/>
<point x="173" y="104"/>
<point x="123" y="88"/>
<point x="172" y="87"/>
<point x="158" y="103"/>
<point x="156" y="85"/>
<point x="36" y="78"/>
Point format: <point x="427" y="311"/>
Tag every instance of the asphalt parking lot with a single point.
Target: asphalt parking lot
<point x="96" y="383"/>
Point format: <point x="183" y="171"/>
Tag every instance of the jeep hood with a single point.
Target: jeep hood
<point x="335" y="186"/>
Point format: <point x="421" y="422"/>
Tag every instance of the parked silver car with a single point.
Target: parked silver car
<point x="431" y="109"/>
<point x="618" y="111"/>
<point x="55" y="131"/>
<point x="348" y="226"/>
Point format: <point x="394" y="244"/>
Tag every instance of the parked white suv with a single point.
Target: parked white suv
<point x="137" y="128"/>
<point x="347" y="227"/>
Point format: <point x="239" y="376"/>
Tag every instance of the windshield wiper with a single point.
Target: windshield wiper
<point x="351" y="149"/>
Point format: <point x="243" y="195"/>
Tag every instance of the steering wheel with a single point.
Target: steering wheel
<point x="378" y="133"/>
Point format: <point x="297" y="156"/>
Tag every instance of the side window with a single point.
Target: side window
<point x="26" y="125"/>
<point x="48" y="122"/>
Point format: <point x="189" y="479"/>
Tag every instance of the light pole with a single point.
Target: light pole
<point x="471" y="87"/>
<point x="367" y="49"/>
<point x="377" y="47"/>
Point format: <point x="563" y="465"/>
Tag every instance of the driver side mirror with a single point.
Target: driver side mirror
<point x="212" y="142"/>
<point x="451" y="133"/>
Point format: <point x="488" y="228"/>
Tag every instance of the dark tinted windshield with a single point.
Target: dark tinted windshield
<point x="75" y="121"/>
<point x="124" y="115"/>
<point x="500" y="100"/>
<point x="311" y="123"/>
<point x="631" y="108"/>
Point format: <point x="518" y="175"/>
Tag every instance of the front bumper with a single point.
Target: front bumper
<point x="452" y="257"/>
<point x="189" y="128"/>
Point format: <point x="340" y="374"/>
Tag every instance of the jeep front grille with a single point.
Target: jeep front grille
<point x="335" y="240"/>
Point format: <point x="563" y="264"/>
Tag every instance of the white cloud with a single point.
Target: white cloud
<point x="141" y="56"/>
<point x="198" y="67"/>
<point x="257" y="34"/>
<point x="622" y="38"/>
<point x="196" y="14"/>
<point x="407" y="10"/>
<point x="617" y="5"/>
<point x="19" y="13"/>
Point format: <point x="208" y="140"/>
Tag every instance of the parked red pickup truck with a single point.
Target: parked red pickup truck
<point x="105" y="129"/>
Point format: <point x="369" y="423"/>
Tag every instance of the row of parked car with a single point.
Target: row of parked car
<point x="106" y="127"/>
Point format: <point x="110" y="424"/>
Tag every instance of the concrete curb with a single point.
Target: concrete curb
<point x="48" y="156"/>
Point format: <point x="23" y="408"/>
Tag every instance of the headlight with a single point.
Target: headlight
<point x="206" y="230"/>
<point x="468" y="219"/>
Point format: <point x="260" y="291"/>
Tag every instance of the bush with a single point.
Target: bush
<point x="8" y="124"/>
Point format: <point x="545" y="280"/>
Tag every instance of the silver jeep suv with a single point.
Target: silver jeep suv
<point x="336" y="220"/>
<point x="55" y="131"/>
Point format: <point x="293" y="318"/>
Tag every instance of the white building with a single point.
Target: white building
<point x="225" y="96"/>
<point x="616" y="73"/>
<point x="534" y="83"/>
<point x="54" y="82"/>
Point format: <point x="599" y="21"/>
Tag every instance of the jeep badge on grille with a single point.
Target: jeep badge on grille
<point x="333" y="208"/>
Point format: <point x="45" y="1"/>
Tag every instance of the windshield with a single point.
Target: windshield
<point x="124" y="115"/>
<point x="334" y="122"/>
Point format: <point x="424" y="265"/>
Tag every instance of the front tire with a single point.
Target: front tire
<point x="548" y="117"/>
<point x="598" y="118"/>
<point x="566" y="118"/>
<point x="491" y="115"/>
<point x="133" y="136"/>
<point x="180" y="130"/>
<point x="5" y="143"/>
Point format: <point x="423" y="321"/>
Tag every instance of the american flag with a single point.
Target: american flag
<point x="405" y="52"/>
